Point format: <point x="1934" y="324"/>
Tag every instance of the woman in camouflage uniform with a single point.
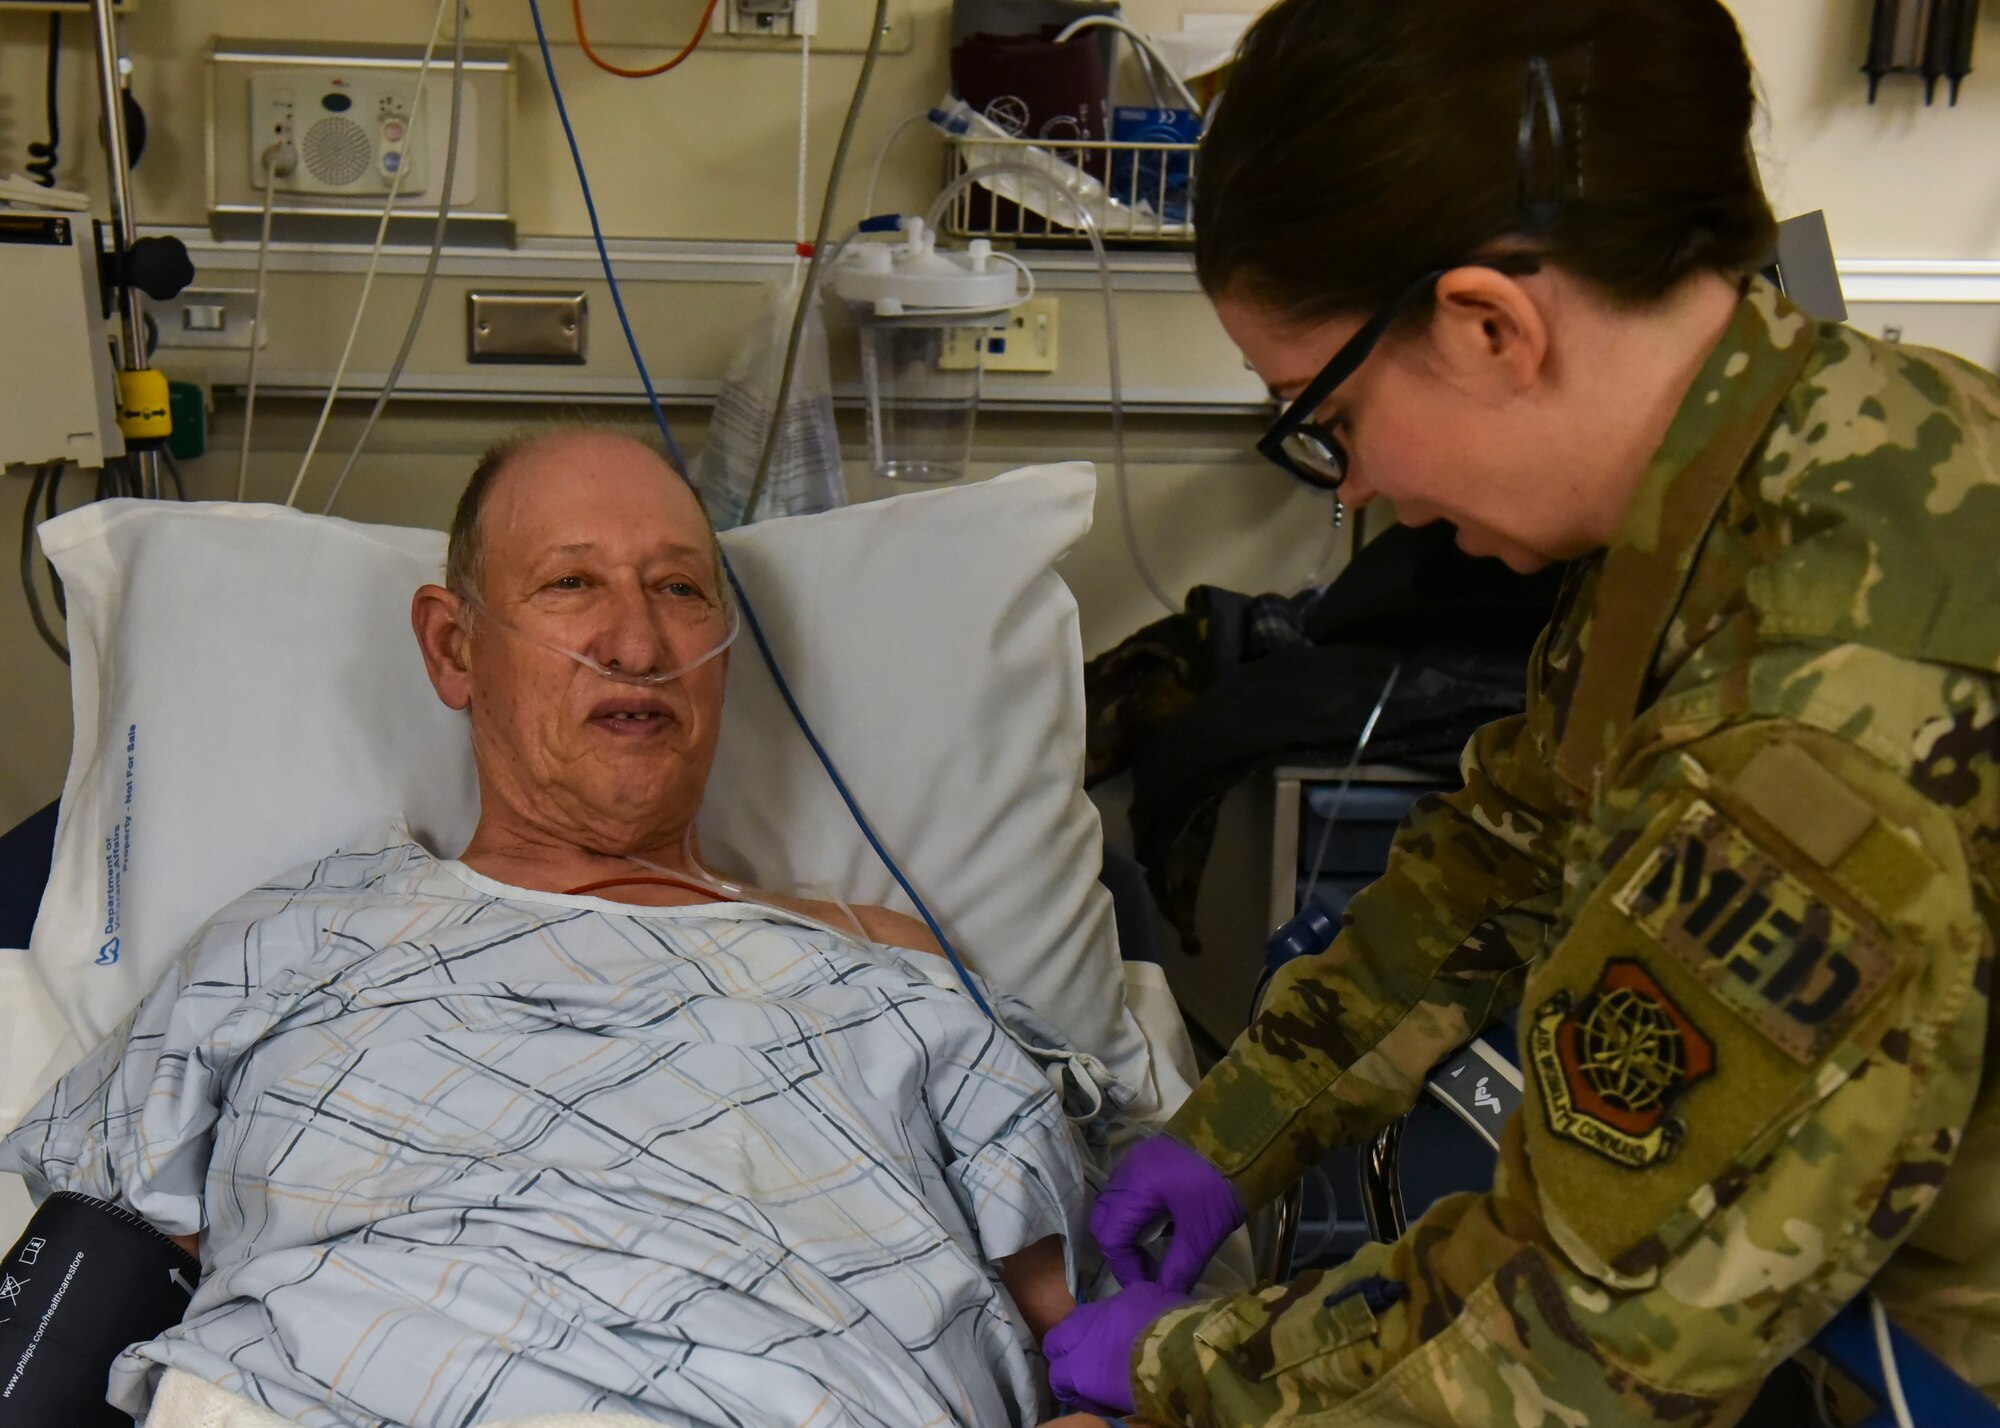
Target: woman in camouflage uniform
<point x="1738" y="865"/>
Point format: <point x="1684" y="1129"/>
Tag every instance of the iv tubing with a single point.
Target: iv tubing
<point x="1088" y="223"/>
<point x="583" y="43"/>
<point x="268" y="161"/>
<point x="882" y="158"/>
<point x="1143" y="43"/>
<point x="1347" y="780"/>
<point x="810" y="287"/>
<point x="430" y="263"/>
<point x="374" y="256"/>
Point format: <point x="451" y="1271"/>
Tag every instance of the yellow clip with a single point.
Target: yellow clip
<point x="142" y="406"/>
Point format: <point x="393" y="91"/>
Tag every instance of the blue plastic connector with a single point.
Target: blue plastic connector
<point x="1306" y="935"/>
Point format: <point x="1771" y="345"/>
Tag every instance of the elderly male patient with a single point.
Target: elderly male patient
<point x="462" y="1142"/>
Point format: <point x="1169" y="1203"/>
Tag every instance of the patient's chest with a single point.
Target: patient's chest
<point x="738" y="1074"/>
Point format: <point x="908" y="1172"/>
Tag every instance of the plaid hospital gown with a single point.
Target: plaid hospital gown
<point x="463" y="1152"/>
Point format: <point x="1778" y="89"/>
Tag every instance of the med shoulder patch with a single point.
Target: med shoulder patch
<point x="1782" y="956"/>
<point x="1704" y="994"/>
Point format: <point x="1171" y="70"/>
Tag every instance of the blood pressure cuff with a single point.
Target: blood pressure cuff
<point x="86" y="1280"/>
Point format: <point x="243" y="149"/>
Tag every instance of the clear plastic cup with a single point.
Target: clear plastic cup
<point x="920" y="416"/>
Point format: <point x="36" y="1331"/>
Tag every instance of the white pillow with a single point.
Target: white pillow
<point x="248" y="695"/>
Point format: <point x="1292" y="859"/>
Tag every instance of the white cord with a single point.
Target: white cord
<point x="416" y="322"/>
<point x="805" y="156"/>
<point x="374" y="256"/>
<point x="268" y="161"/>
<point x="1347" y="782"/>
<point x="1899" y="1406"/>
<point x="1142" y="42"/>
<point x="882" y="157"/>
<point x="1088" y="223"/>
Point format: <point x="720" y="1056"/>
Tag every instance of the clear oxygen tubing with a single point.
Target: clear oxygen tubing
<point x="810" y="287"/>
<point x="374" y="255"/>
<point x="269" y="161"/>
<point x="1089" y="226"/>
<point x="748" y="611"/>
<point x="1149" y="53"/>
<point x="1347" y="778"/>
<point x="1332" y="817"/>
<point x="430" y="264"/>
<point x="733" y="626"/>
<point x="882" y="158"/>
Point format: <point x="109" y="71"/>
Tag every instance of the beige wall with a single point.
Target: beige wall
<point x="708" y="154"/>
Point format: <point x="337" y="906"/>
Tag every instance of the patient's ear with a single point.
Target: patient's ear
<point x="437" y="616"/>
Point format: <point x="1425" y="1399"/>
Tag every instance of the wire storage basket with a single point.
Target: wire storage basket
<point x="1137" y="192"/>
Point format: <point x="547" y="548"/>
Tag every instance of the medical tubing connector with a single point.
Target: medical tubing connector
<point x="1088" y="223"/>
<point x="748" y="611"/>
<point x="605" y="671"/>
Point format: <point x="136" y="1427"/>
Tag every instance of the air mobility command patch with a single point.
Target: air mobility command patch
<point x="1792" y="964"/>
<point x="1613" y="1064"/>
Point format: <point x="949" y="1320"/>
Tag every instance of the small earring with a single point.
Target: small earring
<point x="1339" y="511"/>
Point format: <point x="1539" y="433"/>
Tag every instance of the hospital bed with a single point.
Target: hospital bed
<point x="249" y="696"/>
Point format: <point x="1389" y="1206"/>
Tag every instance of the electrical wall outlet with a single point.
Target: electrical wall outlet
<point x="210" y="317"/>
<point x="770" y="19"/>
<point x="1027" y="343"/>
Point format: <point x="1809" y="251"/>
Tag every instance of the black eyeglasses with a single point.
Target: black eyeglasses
<point x="1308" y="448"/>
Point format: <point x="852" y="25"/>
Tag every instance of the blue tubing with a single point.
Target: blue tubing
<point x="1938" y="1398"/>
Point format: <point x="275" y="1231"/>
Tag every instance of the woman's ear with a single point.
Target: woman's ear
<point x="1488" y="331"/>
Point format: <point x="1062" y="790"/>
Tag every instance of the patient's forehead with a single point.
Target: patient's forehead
<point x="593" y="488"/>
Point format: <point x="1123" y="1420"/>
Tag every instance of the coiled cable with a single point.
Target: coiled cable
<point x="45" y="154"/>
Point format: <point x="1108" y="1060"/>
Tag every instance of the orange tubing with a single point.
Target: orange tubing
<point x="583" y="39"/>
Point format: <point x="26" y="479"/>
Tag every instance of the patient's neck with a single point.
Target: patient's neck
<point x="523" y="854"/>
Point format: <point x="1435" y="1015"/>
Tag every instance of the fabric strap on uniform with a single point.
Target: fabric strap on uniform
<point x="1639" y="589"/>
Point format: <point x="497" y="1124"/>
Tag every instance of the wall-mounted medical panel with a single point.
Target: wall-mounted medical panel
<point x="335" y="130"/>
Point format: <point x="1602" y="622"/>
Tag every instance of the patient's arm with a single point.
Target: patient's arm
<point x="1040" y="1289"/>
<point x="190" y="1243"/>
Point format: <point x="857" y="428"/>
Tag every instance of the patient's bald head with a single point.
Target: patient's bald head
<point x="542" y="454"/>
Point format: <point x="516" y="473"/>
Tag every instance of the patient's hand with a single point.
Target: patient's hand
<point x="1034" y="1277"/>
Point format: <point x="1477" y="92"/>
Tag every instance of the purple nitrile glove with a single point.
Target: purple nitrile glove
<point x="1090" y="1352"/>
<point x="1162" y="1179"/>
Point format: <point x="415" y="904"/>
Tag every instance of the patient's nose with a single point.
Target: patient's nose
<point x="631" y="641"/>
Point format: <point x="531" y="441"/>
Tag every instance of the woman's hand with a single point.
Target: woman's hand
<point x="1090" y="1351"/>
<point x="1161" y="1179"/>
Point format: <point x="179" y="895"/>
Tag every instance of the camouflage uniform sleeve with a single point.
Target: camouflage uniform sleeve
<point x="1431" y="952"/>
<point x="1749" y="1061"/>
